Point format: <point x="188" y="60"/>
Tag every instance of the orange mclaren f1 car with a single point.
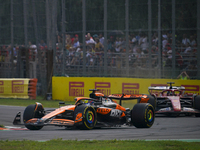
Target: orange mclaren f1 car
<point x="96" y="111"/>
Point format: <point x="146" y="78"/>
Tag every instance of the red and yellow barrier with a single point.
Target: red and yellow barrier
<point x="18" y="88"/>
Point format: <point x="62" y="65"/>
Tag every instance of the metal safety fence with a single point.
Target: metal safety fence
<point x="92" y="38"/>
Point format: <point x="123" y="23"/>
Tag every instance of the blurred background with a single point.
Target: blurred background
<point x="99" y="38"/>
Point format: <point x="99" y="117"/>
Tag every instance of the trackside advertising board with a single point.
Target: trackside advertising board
<point x="67" y="88"/>
<point x="14" y="88"/>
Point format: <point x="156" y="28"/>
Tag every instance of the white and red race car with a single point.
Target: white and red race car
<point x="172" y="100"/>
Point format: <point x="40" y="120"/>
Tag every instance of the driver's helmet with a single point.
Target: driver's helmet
<point x="169" y="93"/>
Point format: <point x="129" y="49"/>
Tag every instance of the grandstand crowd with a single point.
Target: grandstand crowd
<point x="186" y="48"/>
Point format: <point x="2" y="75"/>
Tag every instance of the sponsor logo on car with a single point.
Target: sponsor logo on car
<point x="165" y="109"/>
<point x="188" y="109"/>
<point x="115" y="113"/>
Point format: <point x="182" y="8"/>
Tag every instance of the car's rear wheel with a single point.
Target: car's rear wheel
<point x="30" y="113"/>
<point x="89" y="117"/>
<point x="143" y="115"/>
<point x="152" y="101"/>
<point x="197" y="105"/>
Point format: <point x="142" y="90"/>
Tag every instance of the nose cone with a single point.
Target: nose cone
<point x="175" y="103"/>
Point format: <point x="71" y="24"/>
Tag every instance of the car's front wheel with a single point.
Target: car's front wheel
<point x="30" y="113"/>
<point x="88" y="119"/>
<point x="143" y="115"/>
<point x="197" y="105"/>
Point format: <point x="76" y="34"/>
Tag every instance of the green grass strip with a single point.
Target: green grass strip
<point x="60" y="144"/>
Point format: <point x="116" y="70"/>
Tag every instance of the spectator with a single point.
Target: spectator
<point x="33" y="52"/>
<point x="111" y="45"/>
<point x="133" y="40"/>
<point x="132" y="58"/>
<point x="185" y="40"/>
<point x="68" y="42"/>
<point x="192" y="41"/>
<point x="143" y="43"/>
<point x="42" y="43"/>
<point x="98" y="45"/>
<point x="139" y="39"/>
<point x="76" y="42"/>
<point x="89" y="40"/>
<point x="139" y="58"/>
<point x="101" y="38"/>
<point x="188" y="49"/>
<point x="164" y="41"/>
<point x="59" y="42"/>
<point x="154" y="52"/>
<point x="111" y="60"/>
<point x="122" y="44"/>
<point x="95" y="36"/>
<point x="76" y="60"/>
<point x="169" y="59"/>
<point x="71" y="55"/>
<point x="155" y="39"/>
<point x="90" y="56"/>
<point x="117" y="45"/>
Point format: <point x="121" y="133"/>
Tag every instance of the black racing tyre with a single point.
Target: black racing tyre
<point x="197" y="105"/>
<point x="89" y="117"/>
<point x="142" y="115"/>
<point x="30" y="113"/>
<point x="197" y="115"/>
<point x="152" y="100"/>
<point x="197" y="102"/>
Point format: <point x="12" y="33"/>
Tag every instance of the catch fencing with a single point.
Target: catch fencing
<point x="92" y="38"/>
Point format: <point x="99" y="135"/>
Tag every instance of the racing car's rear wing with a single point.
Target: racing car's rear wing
<point x="163" y="88"/>
<point x="121" y="97"/>
<point x="166" y="87"/>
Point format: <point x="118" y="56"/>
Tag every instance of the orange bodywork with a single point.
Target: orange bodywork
<point x="120" y="108"/>
<point x="62" y="122"/>
<point x="99" y="94"/>
<point x="34" y="120"/>
<point x="37" y="105"/>
<point x="59" y="111"/>
<point x="127" y="96"/>
<point x="78" y="117"/>
<point x="123" y="114"/>
<point x="144" y="100"/>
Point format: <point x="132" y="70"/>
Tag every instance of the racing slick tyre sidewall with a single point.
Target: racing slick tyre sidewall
<point x="142" y="115"/>
<point x="197" y="105"/>
<point x="30" y="113"/>
<point x="89" y="117"/>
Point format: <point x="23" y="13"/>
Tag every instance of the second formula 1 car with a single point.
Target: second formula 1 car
<point x="97" y="110"/>
<point x="172" y="100"/>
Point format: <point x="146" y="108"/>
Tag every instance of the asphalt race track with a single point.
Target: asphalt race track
<point x="164" y="128"/>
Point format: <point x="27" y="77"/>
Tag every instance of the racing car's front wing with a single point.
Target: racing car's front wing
<point x="184" y="110"/>
<point x="53" y="121"/>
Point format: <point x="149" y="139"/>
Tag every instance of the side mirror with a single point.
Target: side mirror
<point x="61" y="103"/>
